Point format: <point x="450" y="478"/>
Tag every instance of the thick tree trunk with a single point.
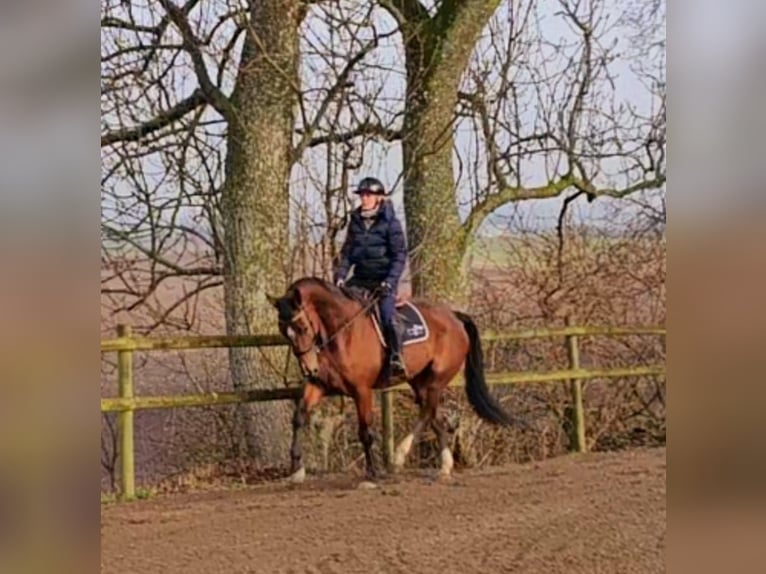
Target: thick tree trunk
<point x="255" y="212"/>
<point x="437" y="55"/>
<point x="435" y="234"/>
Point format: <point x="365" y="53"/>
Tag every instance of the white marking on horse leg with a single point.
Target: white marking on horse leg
<point x="298" y="476"/>
<point x="447" y="462"/>
<point x="403" y="450"/>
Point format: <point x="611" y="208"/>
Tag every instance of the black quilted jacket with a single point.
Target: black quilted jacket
<point x="378" y="253"/>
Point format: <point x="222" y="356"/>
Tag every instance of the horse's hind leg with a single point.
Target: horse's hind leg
<point x="445" y="453"/>
<point x="429" y="392"/>
<point x="433" y="395"/>
<point x="404" y="447"/>
<point x="424" y="415"/>
<point x="439" y="424"/>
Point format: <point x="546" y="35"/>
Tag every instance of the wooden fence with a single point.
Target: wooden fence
<point x="126" y="344"/>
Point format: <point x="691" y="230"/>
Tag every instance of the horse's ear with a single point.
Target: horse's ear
<point x="273" y="300"/>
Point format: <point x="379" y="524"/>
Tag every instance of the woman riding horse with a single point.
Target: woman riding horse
<point x="331" y="334"/>
<point x="376" y="247"/>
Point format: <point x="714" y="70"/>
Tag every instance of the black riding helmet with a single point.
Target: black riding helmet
<point x="370" y="185"/>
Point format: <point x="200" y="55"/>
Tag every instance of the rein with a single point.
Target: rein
<point x="320" y="346"/>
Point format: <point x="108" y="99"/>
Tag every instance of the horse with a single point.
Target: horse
<point x="333" y="336"/>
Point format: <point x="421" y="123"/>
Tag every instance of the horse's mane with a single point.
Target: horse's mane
<point x="319" y="282"/>
<point x="341" y="292"/>
<point x="311" y="281"/>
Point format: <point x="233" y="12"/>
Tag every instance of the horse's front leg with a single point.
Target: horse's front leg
<point x="364" y="411"/>
<point x="312" y="394"/>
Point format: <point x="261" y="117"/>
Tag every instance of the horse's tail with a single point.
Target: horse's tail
<point x="485" y="405"/>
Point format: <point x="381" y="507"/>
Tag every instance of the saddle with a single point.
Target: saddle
<point x="408" y="320"/>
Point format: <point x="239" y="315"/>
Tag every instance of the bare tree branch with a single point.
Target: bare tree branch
<point x="376" y="131"/>
<point x="152" y="254"/>
<point x="160" y="121"/>
<point x="340" y="84"/>
<point x="214" y="96"/>
<point x="553" y="189"/>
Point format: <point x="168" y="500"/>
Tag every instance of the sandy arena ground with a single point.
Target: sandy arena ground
<point x="595" y="513"/>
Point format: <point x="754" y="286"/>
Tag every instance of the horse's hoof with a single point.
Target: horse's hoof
<point x="367" y="485"/>
<point x="298" y="476"/>
<point x="444" y="477"/>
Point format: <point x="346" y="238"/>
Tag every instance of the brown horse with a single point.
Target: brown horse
<point x="333" y="336"/>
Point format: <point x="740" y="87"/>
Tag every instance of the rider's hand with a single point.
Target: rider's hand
<point x="386" y="288"/>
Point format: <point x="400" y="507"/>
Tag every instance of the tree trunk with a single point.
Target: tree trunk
<point x="434" y="232"/>
<point x="255" y="206"/>
<point x="437" y="55"/>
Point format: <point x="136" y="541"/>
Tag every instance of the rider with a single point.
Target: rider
<point x="376" y="247"/>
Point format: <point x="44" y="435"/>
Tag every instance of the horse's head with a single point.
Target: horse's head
<point x="300" y="325"/>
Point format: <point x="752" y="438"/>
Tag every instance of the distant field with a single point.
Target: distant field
<point x="513" y="251"/>
<point x="506" y="252"/>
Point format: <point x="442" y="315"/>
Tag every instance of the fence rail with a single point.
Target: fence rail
<point x="127" y="403"/>
<point x="136" y="343"/>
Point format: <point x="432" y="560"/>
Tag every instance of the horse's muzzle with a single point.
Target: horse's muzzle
<point x="309" y="373"/>
<point x="314" y="379"/>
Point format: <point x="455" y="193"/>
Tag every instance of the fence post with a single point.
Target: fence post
<point x="387" y="413"/>
<point x="575" y="385"/>
<point x="125" y="418"/>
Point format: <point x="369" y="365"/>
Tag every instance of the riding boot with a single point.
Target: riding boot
<point x="394" y="342"/>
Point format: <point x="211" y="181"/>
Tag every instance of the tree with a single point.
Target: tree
<point x="507" y="102"/>
<point x="211" y="110"/>
<point x="534" y="103"/>
<point x="437" y="47"/>
<point x="234" y="219"/>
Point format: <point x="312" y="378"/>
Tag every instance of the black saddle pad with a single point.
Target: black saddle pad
<point x="409" y="321"/>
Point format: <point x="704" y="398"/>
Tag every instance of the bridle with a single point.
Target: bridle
<point x="315" y="336"/>
<point x="318" y="345"/>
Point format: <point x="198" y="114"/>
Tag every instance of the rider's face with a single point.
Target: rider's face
<point x="368" y="200"/>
